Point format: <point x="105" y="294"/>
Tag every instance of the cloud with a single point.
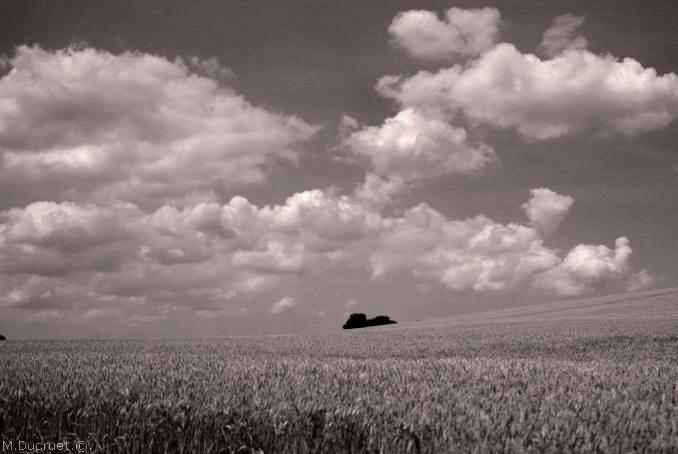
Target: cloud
<point x="415" y="146"/>
<point x="57" y="238"/>
<point x="474" y="254"/>
<point x="480" y="254"/>
<point x="129" y="164"/>
<point x="211" y="68"/>
<point x="283" y="305"/>
<point x="588" y="268"/>
<point x="377" y="192"/>
<point x="573" y="92"/>
<point x="65" y="225"/>
<point x="311" y="227"/>
<point x="84" y="124"/>
<point x="351" y="303"/>
<point x="560" y="37"/>
<point x="39" y="293"/>
<point x="641" y="281"/>
<point x="546" y="209"/>
<point x="462" y="32"/>
<point x="409" y="148"/>
<point x="347" y="124"/>
<point x="209" y="260"/>
<point x="204" y="257"/>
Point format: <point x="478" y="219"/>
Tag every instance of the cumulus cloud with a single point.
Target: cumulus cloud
<point x="546" y="209"/>
<point x="561" y="37"/>
<point x="573" y="92"/>
<point x="242" y="244"/>
<point x="213" y="259"/>
<point x="409" y="148"/>
<point x="473" y="254"/>
<point x="414" y="146"/>
<point x="462" y="32"/>
<point x="307" y="234"/>
<point x="85" y="124"/>
<point x="480" y="254"/>
<point x="204" y="256"/>
<point x="64" y="225"/>
<point x="56" y="238"/>
<point x="588" y="268"/>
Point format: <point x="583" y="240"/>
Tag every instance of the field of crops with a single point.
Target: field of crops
<point x="596" y="376"/>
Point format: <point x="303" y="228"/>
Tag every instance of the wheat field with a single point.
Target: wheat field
<point x="596" y="375"/>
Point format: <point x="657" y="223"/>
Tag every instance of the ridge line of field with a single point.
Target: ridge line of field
<point x="550" y="308"/>
<point x="604" y="303"/>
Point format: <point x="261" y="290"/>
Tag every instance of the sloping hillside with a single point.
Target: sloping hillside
<point x="643" y="306"/>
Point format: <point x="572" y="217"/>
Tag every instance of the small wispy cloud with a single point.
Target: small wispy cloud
<point x="283" y="305"/>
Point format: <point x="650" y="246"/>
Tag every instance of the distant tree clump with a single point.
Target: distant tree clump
<point x="361" y="321"/>
<point x="2" y="338"/>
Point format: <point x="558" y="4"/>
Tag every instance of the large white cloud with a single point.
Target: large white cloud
<point x="409" y="148"/>
<point x="414" y="146"/>
<point x="573" y="92"/>
<point x="473" y="254"/>
<point x="588" y="268"/>
<point x="480" y="254"/>
<point x="462" y="32"/>
<point x="201" y="251"/>
<point x="90" y="125"/>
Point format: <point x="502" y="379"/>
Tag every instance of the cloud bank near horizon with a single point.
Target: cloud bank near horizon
<point x="209" y="258"/>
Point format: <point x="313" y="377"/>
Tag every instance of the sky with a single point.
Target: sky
<point x="247" y="167"/>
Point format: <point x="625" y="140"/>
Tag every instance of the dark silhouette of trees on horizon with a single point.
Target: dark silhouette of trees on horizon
<point x="359" y="320"/>
<point x="2" y="338"/>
